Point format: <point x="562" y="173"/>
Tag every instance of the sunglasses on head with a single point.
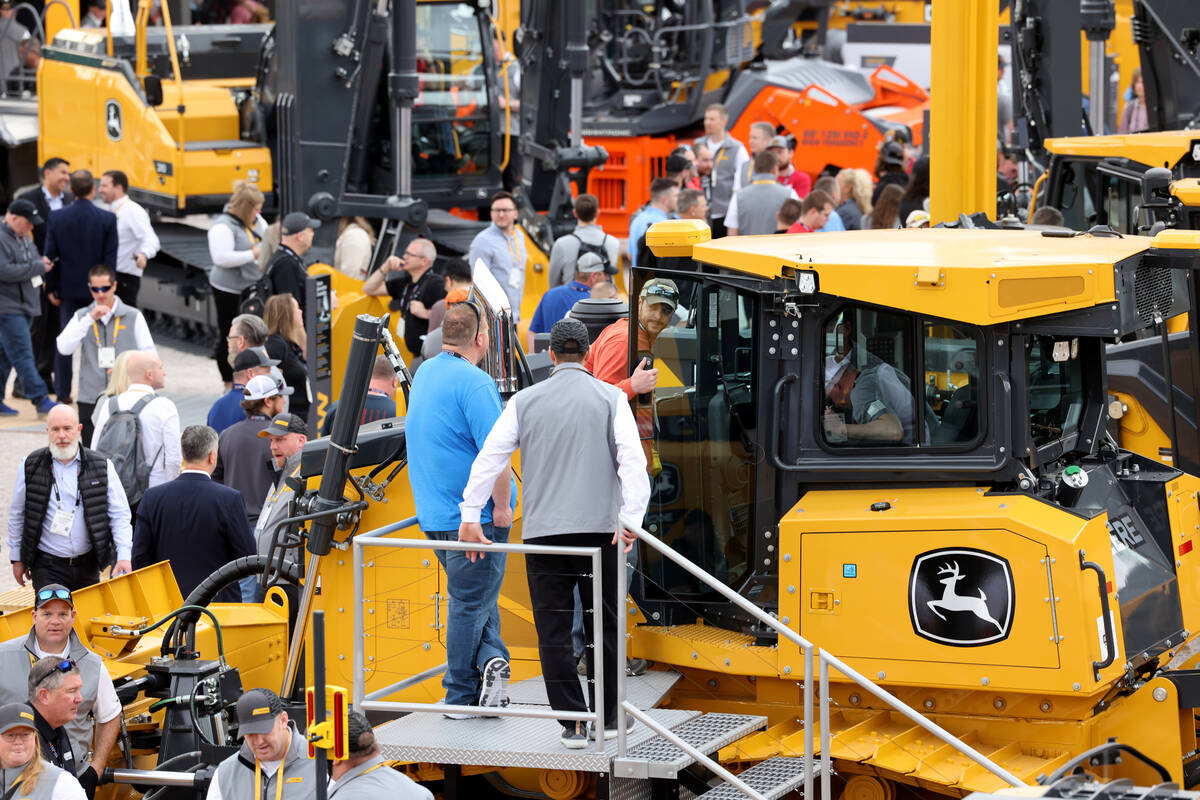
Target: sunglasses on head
<point x="53" y="594"/>
<point x="662" y="291"/>
<point x="64" y="666"/>
<point x="101" y="289"/>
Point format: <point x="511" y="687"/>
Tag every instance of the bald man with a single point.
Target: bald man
<point x="157" y="415"/>
<point x="69" y="517"/>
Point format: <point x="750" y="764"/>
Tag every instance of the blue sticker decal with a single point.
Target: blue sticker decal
<point x="849" y="570"/>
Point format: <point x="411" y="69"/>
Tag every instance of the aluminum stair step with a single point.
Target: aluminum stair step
<point x="707" y="733"/>
<point x="772" y="778"/>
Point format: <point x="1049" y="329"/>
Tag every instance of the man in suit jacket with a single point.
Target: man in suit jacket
<point x="193" y="522"/>
<point x="78" y="238"/>
<point x="51" y="195"/>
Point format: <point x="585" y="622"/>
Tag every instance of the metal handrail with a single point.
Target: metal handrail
<point x="826" y="659"/>
<point x="359" y="695"/>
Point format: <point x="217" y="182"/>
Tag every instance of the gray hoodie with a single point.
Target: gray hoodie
<point x="19" y="265"/>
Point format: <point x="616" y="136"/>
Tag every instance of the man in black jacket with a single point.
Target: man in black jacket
<point x="193" y="522"/>
<point x="285" y="271"/>
<point x="21" y="271"/>
<point x="55" y="693"/>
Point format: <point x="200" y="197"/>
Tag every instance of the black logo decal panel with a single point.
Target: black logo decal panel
<point x="961" y="597"/>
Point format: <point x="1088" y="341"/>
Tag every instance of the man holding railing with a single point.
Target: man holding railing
<point x="568" y="428"/>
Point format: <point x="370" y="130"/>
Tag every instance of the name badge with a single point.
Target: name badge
<point x="107" y="357"/>
<point x="64" y="520"/>
<point x="36" y="280"/>
<point x="516" y="276"/>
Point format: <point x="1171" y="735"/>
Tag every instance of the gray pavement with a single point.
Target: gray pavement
<point x="193" y="384"/>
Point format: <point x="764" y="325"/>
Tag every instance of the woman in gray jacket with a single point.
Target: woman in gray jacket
<point x="234" y="245"/>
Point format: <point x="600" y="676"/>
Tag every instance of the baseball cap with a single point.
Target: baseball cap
<point x="569" y="336"/>
<point x="677" y="163"/>
<point x="257" y="710"/>
<point x="25" y="208"/>
<point x="52" y="591"/>
<point x="297" y="221"/>
<point x="589" y="262"/>
<point x="357" y="726"/>
<point x="260" y="387"/>
<point x="16" y="715"/>
<point x="661" y="290"/>
<point x="893" y="153"/>
<point x="252" y="357"/>
<point x="283" y="424"/>
<point x="917" y="218"/>
<point x="779" y="142"/>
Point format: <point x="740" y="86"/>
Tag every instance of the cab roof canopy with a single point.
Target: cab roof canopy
<point x="982" y="277"/>
<point x="1156" y="149"/>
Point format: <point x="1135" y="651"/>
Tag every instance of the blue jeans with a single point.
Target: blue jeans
<point x="16" y="352"/>
<point x="473" y="614"/>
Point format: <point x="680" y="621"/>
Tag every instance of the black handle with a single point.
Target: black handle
<point x="1109" y="634"/>
<point x="777" y="393"/>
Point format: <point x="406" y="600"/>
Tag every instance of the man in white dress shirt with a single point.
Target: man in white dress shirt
<point x="137" y="242"/>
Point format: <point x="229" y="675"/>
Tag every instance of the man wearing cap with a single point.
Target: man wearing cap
<point x="248" y="363"/>
<point x="194" y="523"/>
<point x="753" y="207"/>
<point x="889" y="169"/>
<point x="273" y="760"/>
<point x="568" y="428"/>
<point x="588" y="235"/>
<point x="363" y="776"/>
<point x="784" y="148"/>
<point x="287" y="435"/>
<point x="53" y="636"/>
<point x="557" y="301"/>
<point x="451" y="408"/>
<point x="136" y="240"/>
<point x="608" y="358"/>
<point x="413" y="286"/>
<point x="21" y="271"/>
<point x="55" y="692"/>
<point x="18" y="748"/>
<point x="285" y="270"/>
<point x="244" y="460"/>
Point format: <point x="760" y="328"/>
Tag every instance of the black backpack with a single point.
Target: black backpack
<point x="598" y="249"/>
<point x="121" y="442"/>
<point x="254" y="297"/>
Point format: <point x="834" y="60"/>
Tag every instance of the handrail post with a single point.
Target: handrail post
<point x="808" y="722"/>
<point x="360" y="681"/>
<point x="598" y="644"/>
<point x="622" y="658"/>
<point x="826" y="758"/>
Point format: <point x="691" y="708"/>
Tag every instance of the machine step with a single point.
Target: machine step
<point x="772" y="778"/>
<point x="707" y="733"/>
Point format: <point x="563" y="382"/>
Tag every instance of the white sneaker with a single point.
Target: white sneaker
<point x="494" y="690"/>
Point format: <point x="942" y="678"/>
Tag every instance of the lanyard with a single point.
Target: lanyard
<point x="771" y="182"/>
<point x="514" y="253"/>
<point x="278" y="775"/>
<point x="117" y="328"/>
<point x="58" y="499"/>
<point x="116" y="209"/>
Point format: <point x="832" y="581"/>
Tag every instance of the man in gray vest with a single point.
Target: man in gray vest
<point x="569" y="427"/>
<point x="52" y="635"/>
<point x="104" y="330"/>
<point x="752" y="210"/>
<point x="273" y="760"/>
<point x="363" y="776"/>
<point x="729" y="158"/>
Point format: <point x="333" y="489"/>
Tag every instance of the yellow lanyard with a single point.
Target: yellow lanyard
<point x="513" y="251"/>
<point x="278" y="774"/>
<point x="763" y="182"/>
<point x="117" y="328"/>
<point x="116" y="209"/>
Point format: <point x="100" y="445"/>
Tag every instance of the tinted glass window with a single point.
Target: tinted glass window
<point x="450" y="115"/>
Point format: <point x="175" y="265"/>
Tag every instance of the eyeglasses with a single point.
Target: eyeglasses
<point x="665" y="292"/>
<point x="53" y="594"/>
<point x="512" y="210"/>
<point x="64" y="666"/>
<point x="411" y="254"/>
<point x="101" y="289"/>
<point x="18" y="736"/>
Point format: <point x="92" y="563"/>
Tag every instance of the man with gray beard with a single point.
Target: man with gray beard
<point x="69" y="518"/>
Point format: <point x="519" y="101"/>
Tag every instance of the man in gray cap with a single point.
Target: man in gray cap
<point x="363" y="775"/>
<point x="288" y="435"/>
<point x="273" y="760"/>
<point x="286" y="271"/>
<point x="21" y="271"/>
<point x="559" y="300"/>
<point x="568" y="427"/>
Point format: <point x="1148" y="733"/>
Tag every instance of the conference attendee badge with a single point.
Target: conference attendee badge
<point x="64" y="520"/>
<point x="36" y="280"/>
<point x="107" y="357"/>
<point x="516" y="278"/>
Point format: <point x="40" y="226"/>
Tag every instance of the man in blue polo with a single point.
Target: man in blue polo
<point x="556" y="302"/>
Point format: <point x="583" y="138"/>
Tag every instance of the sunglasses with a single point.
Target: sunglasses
<point x="64" y="666"/>
<point x="665" y="292"/>
<point x="53" y="594"/>
<point x="101" y="289"/>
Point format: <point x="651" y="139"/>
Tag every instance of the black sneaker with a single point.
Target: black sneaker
<point x="636" y="666"/>
<point x="611" y="733"/>
<point x="573" y="736"/>
<point x="494" y="691"/>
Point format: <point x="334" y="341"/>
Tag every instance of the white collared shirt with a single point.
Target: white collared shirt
<point x="80" y="325"/>
<point x="134" y="235"/>
<point x="55" y="202"/>
<point x="160" y="431"/>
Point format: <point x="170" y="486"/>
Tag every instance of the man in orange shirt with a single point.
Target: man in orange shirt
<point x="608" y="357"/>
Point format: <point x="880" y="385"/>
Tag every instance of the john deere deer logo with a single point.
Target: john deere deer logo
<point x="961" y="597"/>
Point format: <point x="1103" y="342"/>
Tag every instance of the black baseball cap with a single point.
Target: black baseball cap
<point x="25" y="208"/>
<point x="283" y="424"/>
<point x="297" y="221"/>
<point x="257" y="710"/>
<point x="569" y="336"/>
<point x="893" y="153"/>
<point x="52" y="591"/>
<point x="252" y="357"/>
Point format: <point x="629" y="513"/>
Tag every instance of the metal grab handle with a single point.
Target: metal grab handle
<point x="776" y="405"/>
<point x="1109" y="634"/>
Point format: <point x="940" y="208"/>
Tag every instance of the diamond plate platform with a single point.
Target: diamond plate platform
<point x="644" y="691"/>
<point x="772" y="778"/>
<point x="504" y="742"/>
<point x="707" y="733"/>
